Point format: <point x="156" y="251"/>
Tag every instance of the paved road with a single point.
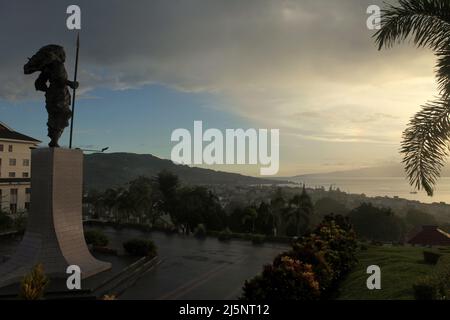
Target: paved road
<point x="192" y="269"/>
<point x="196" y="269"/>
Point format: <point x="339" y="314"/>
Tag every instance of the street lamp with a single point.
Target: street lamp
<point x="90" y="150"/>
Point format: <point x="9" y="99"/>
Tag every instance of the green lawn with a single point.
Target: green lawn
<point x="400" y="267"/>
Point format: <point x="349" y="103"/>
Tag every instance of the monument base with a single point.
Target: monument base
<point x="54" y="236"/>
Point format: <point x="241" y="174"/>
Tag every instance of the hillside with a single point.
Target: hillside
<point x="102" y="171"/>
<point x="401" y="267"/>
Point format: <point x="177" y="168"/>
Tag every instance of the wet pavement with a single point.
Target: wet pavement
<point x="191" y="269"/>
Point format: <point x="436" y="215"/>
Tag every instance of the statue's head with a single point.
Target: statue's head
<point x="44" y="57"/>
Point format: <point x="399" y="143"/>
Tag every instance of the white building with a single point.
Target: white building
<point x="15" y="169"/>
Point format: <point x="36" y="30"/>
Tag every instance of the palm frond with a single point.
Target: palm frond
<point x="427" y="22"/>
<point x="443" y="72"/>
<point x="425" y="144"/>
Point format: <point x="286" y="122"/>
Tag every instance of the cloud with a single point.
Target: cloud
<point x="308" y="67"/>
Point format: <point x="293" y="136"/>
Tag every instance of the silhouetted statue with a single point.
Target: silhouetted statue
<point x="49" y="60"/>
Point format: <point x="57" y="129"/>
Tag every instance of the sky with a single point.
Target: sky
<point x="308" y="68"/>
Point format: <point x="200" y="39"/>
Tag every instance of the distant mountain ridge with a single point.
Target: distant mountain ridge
<point x="393" y="170"/>
<point x="108" y="170"/>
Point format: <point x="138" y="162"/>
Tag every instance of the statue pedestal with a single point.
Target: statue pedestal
<point x="54" y="236"/>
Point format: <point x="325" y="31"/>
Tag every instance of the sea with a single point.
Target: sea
<point x="381" y="186"/>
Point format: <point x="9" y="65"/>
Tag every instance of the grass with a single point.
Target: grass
<point x="400" y="268"/>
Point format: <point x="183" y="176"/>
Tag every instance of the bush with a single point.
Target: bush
<point x="20" y="223"/>
<point x="312" y="269"/>
<point x="225" y="235"/>
<point x="140" y="248"/>
<point x="96" y="238"/>
<point x="105" y="250"/>
<point x="200" y="231"/>
<point x="426" y="288"/>
<point x="314" y="256"/>
<point x="257" y="239"/>
<point x="289" y="280"/>
<point x="431" y="257"/>
<point x="5" y="221"/>
<point x="435" y="286"/>
<point x="33" y="284"/>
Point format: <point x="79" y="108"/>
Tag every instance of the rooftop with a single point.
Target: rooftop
<point x="9" y="134"/>
<point x="431" y="235"/>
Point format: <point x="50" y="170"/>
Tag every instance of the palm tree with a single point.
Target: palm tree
<point x="250" y="214"/>
<point x="141" y="191"/>
<point x="425" y="141"/>
<point x="126" y="205"/>
<point x="110" y="200"/>
<point x="276" y="207"/>
<point x="300" y="209"/>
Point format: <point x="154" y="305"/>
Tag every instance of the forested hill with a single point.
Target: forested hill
<point x="102" y="171"/>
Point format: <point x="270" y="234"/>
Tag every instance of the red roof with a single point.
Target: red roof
<point x="431" y="236"/>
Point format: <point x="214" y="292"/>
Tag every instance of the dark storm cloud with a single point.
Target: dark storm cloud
<point x="192" y="44"/>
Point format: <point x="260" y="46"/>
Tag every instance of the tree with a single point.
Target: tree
<point x="110" y="200"/>
<point x="126" y="205"/>
<point x="94" y="199"/>
<point x="416" y="219"/>
<point x="300" y="210"/>
<point x="277" y="206"/>
<point x="426" y="138"/>
<point x="141" y="190"/>
<point x="265" y="220"/>
<point x="326" y="206"/>
<point x="198" y="205"/>
<point x="168" y="184"/>
<point x="250" y="215"/>
<point x="379" y="224"/>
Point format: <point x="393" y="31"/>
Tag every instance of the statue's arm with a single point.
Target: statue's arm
<point x="60" y="77"/>
<point x="41" y="82"/>
<point x="72" y="84"/>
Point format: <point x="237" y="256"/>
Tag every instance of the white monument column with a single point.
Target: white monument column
<point x="54" y="236"/>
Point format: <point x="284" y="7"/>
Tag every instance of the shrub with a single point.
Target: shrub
<point x="435" y="286"/>
<point x="313" y="254"/>
<point x="312" y="269"/>
<point x="105" y="250"/>
<point x="431" y="257"/>
<point x="257" y="239"/>
<point x="200" y="231"/>
<point x="426" y="288"/>
<point x="339" y="245"/>
<point x="140" y="248"/>
<point x="289" y="280"/>
<point x="20" y="223"/>
<point x="225" y="235"/>
<point x="33" y="284"/>
<point x="5" y="221"/>
<point x="96" y="238"/>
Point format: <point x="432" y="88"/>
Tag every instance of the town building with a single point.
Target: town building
<point x="15" y="169"/>
<point x="431" y="236"/>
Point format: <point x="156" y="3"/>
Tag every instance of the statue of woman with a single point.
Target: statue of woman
<point x="52" y="80"/>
